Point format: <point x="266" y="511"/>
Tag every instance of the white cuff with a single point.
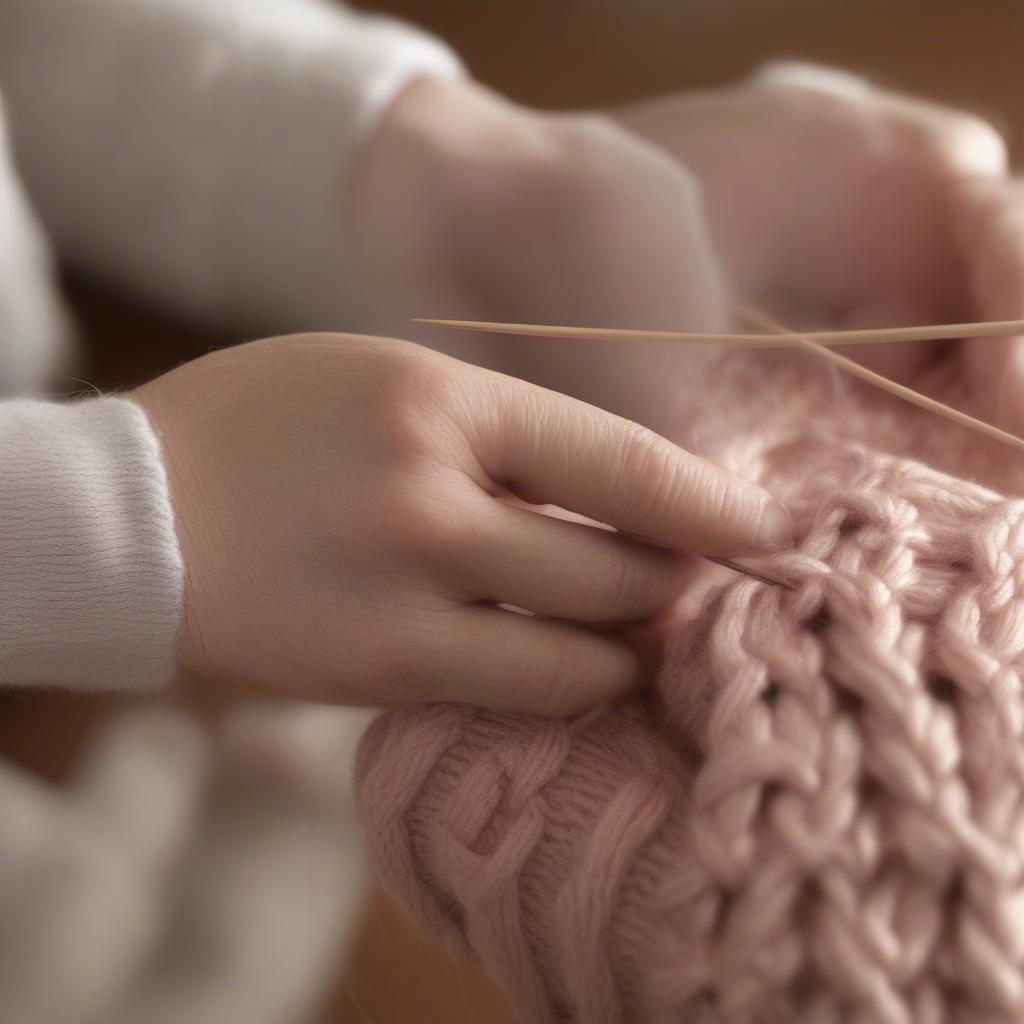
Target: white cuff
<point x="91" y="576"/>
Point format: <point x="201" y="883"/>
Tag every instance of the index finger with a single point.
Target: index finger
<point x="549" y="448"/>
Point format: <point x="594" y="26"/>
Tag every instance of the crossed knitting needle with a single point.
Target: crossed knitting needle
<point x="780" y="338"/>
<point x="819" y="343"/>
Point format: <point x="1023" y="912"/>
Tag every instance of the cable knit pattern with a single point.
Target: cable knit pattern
<point x="91" y="587"/>
<point x="819" y="814"/>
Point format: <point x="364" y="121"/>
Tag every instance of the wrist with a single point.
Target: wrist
<point x="450" y="172"/>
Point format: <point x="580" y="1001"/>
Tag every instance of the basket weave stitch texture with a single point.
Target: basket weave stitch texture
<point x="818" y="815"/>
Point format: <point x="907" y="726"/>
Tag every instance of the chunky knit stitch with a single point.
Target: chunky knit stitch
<point x="818" y="815"/>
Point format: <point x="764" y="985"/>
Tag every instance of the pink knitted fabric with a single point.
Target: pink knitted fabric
<point x="819" y="814"/>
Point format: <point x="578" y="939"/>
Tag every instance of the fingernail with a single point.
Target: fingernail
<point x="774" y="529"/>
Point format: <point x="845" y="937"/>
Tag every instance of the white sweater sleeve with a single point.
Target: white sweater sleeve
<point x="90" y="570"/>
<point x="197" y="150"/>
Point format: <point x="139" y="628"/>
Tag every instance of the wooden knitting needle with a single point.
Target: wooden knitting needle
<point x="745" y="570"/>
<point x="866" y="336"/>
<point x="808" y="342"/>
<point x="814" y="342"/>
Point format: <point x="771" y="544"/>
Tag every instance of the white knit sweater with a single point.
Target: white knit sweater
<point x="194" y="151"/>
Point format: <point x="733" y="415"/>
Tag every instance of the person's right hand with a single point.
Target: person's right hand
<point x="347" y="513"/>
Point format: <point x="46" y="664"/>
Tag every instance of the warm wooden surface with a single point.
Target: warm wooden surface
<point x="397" y="975"/>
<point x="563" y="53"/>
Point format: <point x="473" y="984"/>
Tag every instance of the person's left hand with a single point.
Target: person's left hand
<point x="836" y="204"/>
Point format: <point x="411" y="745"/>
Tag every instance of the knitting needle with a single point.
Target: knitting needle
<point x="815" y="342"/>
<point x="758" y="574"/>
<point x="807" y="342"/>
<point x="866" y="336"/>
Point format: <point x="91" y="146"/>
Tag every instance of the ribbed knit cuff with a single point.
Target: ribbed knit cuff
<point x="90" y="569"/>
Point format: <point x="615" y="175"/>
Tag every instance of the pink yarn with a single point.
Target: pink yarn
<point x="818" y="815"/>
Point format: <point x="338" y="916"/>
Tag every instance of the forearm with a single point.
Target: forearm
<point x="199" y="153"/>
<point x="90" y="569"/>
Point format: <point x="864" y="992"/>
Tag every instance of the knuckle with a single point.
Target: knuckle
<point x="418" y="394"/>
<point x="935" y="140"/>
<point x="562" y="186"/>
<point x="614" y="178"/>
<point x="832" y="115"/>
<point x="975" y="145"/>
<point x="536" y="180"/>
<point x="806" y="77"/>
<point x="577" y="175"/>
<point x="428" y="521"/>
<point x="581" y="189"/>
<point x="408" y="373"/>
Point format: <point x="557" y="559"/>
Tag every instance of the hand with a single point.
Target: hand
<point x="343" y="508"/>
<point x="467" y="206"/>
<point x="837" y="204"/>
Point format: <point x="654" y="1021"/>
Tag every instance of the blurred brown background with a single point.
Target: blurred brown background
<point x="556" y="53"/>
